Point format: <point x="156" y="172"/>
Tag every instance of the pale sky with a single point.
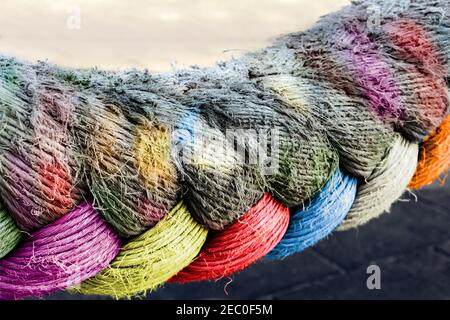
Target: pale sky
<point x="153" y="34"/>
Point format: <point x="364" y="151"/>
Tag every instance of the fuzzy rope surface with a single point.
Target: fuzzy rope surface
<point x="115" y="183"/>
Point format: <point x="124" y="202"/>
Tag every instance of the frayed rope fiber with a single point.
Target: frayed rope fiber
<point x="69" y="250"/>
<point x="149" y="260"/>
<point x="434" y="155"/>
<point x="196" y="174"/>
<point x="11" y="235"/>
<point x="318" y="218"/>
<point x="240" y="244"/>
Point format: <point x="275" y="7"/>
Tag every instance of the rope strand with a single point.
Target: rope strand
<point x="202" y="172"/>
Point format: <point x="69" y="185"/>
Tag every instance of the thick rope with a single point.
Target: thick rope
<point x="197" y="174"/>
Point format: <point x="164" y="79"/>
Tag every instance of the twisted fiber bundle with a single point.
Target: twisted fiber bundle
<point x="151" y="259"/>
<point x="62" y="254"/>
<point x="240" y="244"/>
<point x="318" y="218"/>
<point x="115" y="183"/>
<point x="433" y="154"/>
<point x="10" y="234"/>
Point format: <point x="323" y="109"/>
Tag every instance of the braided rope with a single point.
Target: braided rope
<point x="115" y="183"/>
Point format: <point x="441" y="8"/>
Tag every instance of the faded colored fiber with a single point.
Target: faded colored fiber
<point x="240" y="244"/>
<point x="62" y="254"/>
<point x="146" y="262"/>
<point x="10" y="235"/>
<point x="319" y="217"/>
<point x="385" y="185"/>
<point x="434" y="160"/>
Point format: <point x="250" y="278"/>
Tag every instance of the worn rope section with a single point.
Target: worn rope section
<point x="114" y="183"/>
